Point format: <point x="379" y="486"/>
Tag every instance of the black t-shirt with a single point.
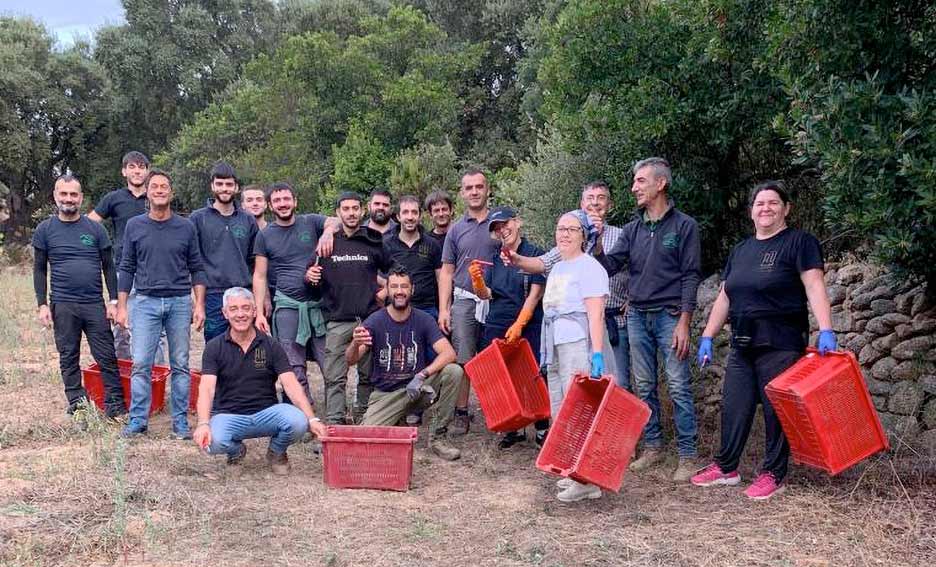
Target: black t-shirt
<point x="74" y="251"/>
<point x="288" y="249"/>
<point x="767" y="299"/>
<point x="120" y="206"/>
<point x="246" y="380"/>
<point x="421" y="260"/>
<point x="400" y="349"/>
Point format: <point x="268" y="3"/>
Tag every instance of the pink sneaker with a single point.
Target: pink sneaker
<point x="764" y="487"/>
<point x="712" y="475"/>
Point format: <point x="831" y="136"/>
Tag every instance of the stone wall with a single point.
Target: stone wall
<point x="891" y="328"/>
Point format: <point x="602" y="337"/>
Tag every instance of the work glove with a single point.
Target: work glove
<point x="414" y="388"/>
<point x="597" y="365"/>
<point x="476" y="271"/>
<point x="705" y="352"/>
<point x="827" y="342"/>
<point x="515" y="330"/>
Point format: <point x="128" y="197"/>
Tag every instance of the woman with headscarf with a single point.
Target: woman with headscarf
<point x="769" y="278"/>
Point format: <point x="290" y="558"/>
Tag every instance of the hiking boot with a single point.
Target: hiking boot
<point x="443" y="450"/>
<point x="238" y="457"/>
<point x="461" y="423"/>
<point x="133" y="430"/>
<point x="686" y="469"/>
<point x="564" y="483"/>
<point x="578" y="491"/>
<point x="511" y="439"/>
<point x="279" y="462"/>
<point x="648" y="458"/>
<point x="712" y="475"/>
<point x="764" y="487"/>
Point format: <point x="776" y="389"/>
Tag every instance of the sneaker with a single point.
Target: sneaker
<point x="238" y="457"/>
<point x="647" y="459"/>
<point x="279" y="462"/>
<point x="764" y="487"/>
<point x="461" y="424"/>
<point x="132" y="430"/>
<point x="578" y="491"/>
<point x="685" y="470"/>
<point x="443" y="450"/>
<point x="511" y="439"/>
<point x="182" y="434"/>
<point x="712" y="475"/>
<point x="564" y="483"/>
<point x="117" y="414"/>
<point x="413" y="420"/>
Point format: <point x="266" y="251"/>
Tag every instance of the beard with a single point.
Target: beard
<point x="67" y="210"/>
<point x="283" y="217"/>
<point x="224" y="198"/>
<point x="401" y="303"/>
<point x="380" y="217"/>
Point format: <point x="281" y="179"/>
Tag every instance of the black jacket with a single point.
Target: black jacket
<point x="348" y="289"/>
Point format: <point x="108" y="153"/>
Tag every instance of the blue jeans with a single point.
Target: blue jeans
<point x="622" y="358"/>
<point x="433" y="311"/>
<point x="284" y="424"/>
<point x="152" y="316"/>
<point x="650" y="333"/>
<point x="215" y="323"/>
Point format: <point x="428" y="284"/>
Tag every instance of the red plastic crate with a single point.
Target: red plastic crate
<point x="94" y="384"/>
<point x="362" y="456"/>
<point x="826" y="412"/>
<point x="193" y="390"/>
<point x="594" y="436"/>
<point x="508" y="384"/>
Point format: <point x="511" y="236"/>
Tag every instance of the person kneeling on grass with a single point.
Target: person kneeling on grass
<point x="237" y="394"/>
<point x="403" y="382"/>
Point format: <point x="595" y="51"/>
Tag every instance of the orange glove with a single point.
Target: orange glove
<point x="515" y="330"/>
<point x="476" y="271"/>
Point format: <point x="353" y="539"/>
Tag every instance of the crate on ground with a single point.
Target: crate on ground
<point x="193" y="390"/>
<point x="94" y="384"/>
<point x="361" y="456"/>
<point x="594" y="436"/>
<point x="826" y="412"/>
<point x="508" y="384"/>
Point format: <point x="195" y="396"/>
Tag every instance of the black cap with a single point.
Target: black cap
<point x="500" y="214"/>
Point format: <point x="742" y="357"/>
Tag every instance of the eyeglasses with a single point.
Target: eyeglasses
<point x="568" y="229"/>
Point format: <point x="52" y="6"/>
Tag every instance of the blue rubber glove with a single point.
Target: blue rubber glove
<point x="597" y="365"/>
<point x="827" y="342"/>
<point x="705" y="354"/>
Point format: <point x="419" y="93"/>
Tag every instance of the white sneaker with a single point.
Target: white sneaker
<point x="579" y="491"/>
<point x="564" y="483"/>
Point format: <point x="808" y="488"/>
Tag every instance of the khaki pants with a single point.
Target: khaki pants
<point x="387" y="408"/>
<point x="337" y="338"/>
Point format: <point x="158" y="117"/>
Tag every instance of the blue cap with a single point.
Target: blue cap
<point x="500" y="214"/>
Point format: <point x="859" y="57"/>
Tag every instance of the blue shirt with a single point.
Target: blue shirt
<point x="162" y="256"/>
<point x="510" y="287"/>
<point x="74" y="251"/>
<point x="226" y="246"/>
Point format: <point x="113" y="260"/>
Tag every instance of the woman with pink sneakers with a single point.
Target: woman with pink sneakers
<point x="768" y="280"/>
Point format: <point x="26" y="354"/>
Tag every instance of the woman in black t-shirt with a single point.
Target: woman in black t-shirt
<point x="769" y="278"/>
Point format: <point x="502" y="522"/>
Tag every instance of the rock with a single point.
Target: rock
<point x="923" y="325"/>
<point x="883" y="306"/>
<point x="911" y="369"/>
<point x="869" y="285"/>
<point x="883" y="368"/>
<point x="904" y="303"/>
<point x="837" y="295"/>
<point x="919" y="305"/>
<point x="884" y="344"/>
<point x="840" y="321"/>
<point x="929" y="414"/>
<point x="878" y="387"/>
<point x="906" y="398"/>
<point x="899" y="427"/>
<point x="863" y="300"/>
<point x="858" y="342"/>
<point x="913" y="347"/>
<point x="708" y="290"/>
<point x="849" y="274"/>
<point x="859" y="326"/>
<point x="880" y="402"/>
<point x="884" y="324"/>
<point x="869" y="355"/>
<point x="927" y="442"/>
<point x="847" y="340"/>
<point x="904" y="331"/>
<point x="928" y="383"/>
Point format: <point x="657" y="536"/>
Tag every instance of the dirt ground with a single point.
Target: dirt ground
<point x="73" y="496"/>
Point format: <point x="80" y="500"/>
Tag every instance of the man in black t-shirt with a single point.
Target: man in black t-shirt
<point x="78" y="250"/>
<point x="284" y="249"/>
<point x="408" y="244"/>
<point x="237" y="393"/>
<point x="403" y="379"/>
<point x="348" y="283"/>
<point x="121" y="205"/>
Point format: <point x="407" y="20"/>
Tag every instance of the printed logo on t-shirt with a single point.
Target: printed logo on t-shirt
<point x="260" y="359"/>
<point x="350" y="258"/>
<point x="239" y="232"/>
<point x="670" y="240"/>
<point x="305" y="236"/>
<point x="87" y="239"/>
<point x="423" y="251"/>
<point x="398" y="355"/>
<point x="768" y="260"/>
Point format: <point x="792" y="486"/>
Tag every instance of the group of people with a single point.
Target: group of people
<point x="409" y="306"/>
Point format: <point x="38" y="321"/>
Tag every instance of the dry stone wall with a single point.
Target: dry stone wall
<point x="889" y="325"/>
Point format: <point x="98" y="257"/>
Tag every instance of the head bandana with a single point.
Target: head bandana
<point x="591" y="231"/>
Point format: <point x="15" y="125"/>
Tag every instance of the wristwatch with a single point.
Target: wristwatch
<point x="112" y="302"/>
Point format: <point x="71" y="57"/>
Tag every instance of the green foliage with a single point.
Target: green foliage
<point x="424" y="169"/>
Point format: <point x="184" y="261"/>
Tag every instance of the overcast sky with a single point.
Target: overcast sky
<point x="66" y="18"/>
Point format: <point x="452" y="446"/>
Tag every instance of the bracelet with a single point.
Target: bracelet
<point x="314" y="419"/>
<point x="200" y="423"/>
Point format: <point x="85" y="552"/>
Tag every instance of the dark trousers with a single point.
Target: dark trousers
<point x="69" y="320"/>
<point x="215" y="323"/>
<point x="747" y="373"/>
